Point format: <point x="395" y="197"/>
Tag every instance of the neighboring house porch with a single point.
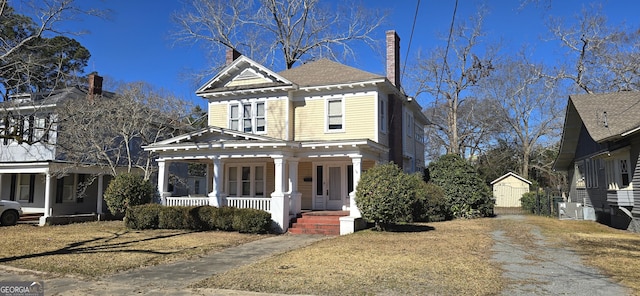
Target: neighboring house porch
<point x="54" y="189"/>
<point x="282" y="177"/>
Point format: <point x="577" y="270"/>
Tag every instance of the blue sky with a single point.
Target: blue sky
<point x="135" y="44"/>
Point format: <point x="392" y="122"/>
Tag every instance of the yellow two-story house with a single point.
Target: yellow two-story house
<point x="297" y="139"/>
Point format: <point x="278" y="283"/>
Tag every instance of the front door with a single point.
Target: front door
<point x="329" y="186"/>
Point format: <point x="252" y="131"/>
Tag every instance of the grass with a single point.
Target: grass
<point x="441" y="258"/>
<point x="447" y="258"/>
<point x="98" y="248"/>
<point x="615" y="252"/>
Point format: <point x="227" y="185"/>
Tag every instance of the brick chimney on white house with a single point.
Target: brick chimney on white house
<point x="95" y="85"/>
<point x="393" y="58"/>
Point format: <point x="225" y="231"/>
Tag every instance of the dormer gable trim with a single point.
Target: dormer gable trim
<point x="242" y="68"/>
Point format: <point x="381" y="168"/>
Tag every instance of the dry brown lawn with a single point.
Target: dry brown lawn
<point x="99" y="248"/>
<point x="449" y="258"/>
<point x="445" y="258"/>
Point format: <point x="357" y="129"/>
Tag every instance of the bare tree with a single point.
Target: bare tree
<point x="287" y="31"/>
<point x="35" y="54"/>
<point x="600" y="57"/>
<point x="531" y="105"/>
<point x="452" y="77"/>
<point x="111" y="130"/>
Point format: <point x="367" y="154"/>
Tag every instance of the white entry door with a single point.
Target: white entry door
<point x="329" y="187"/>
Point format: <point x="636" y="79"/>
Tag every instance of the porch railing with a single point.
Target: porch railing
<point x="187" y="201"/>
<point x="258" y="203"/>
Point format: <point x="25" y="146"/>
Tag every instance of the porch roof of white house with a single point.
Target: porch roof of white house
<point x="229" y="143"/>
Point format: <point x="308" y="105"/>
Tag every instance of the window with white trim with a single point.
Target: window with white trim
<point x="335" y="115"/>
<point x="618" y="172"/>
<point x="24" y="187"/>
<point x="249" y="117"/>
<point x="246" y="180"/>
<point x="383" y="116"/>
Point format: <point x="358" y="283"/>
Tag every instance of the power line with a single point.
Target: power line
<point x="446" y="51"/>
<point x="406" y="56"/>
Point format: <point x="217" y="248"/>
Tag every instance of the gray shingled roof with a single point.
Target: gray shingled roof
<point x="608" y="115"/>
<point x="622" y="111"/>
<point x="326" y="72"/>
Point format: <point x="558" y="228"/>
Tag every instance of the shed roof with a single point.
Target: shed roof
<point x="512" y="174"/>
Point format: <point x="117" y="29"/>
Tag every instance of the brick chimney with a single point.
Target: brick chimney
<point x="393" y="58"/>
<point x="95" y="85"/>
<point x="232" y="55"/>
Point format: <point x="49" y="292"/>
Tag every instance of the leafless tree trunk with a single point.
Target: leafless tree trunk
<point x="111" y="130"/>
<point x="531" y="105"/>
<point x="287" y="31"/>
<point x="452" y="76"/>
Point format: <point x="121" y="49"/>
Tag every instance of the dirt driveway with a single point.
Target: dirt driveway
<point x="544" y="269"/>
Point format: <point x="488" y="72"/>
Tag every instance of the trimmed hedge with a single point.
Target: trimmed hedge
<point x="203" y="218"/>
<point x="143" y="216"/>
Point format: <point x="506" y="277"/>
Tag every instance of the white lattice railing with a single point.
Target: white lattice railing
<point x="258" y="203"/>
<point x="187" y="201"/>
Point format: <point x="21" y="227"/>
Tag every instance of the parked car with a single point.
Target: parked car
<point x="10" y="212"/>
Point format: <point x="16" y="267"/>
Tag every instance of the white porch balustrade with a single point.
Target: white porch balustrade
<point x="258" y="203"/>
<point x="186" y="201"/>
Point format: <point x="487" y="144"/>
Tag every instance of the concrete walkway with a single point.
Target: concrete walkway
<point x="547" y="269"/>
<point x="167" y="279"/>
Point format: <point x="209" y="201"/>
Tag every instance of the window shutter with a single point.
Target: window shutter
<point x="32" y="183"/>
<point x="12" y="193"/>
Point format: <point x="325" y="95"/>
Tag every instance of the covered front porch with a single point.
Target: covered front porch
<point x="280" y="177"/>
<point x="49" y="189"/>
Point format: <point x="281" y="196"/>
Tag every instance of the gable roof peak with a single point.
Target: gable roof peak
<point x="238" y="68"/>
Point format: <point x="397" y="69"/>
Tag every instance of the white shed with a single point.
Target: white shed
<point x="508" y="189"/>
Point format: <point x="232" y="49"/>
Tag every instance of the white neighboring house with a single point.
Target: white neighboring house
<point x="32" y="171"/>
<point x="297" y="139"/>
<point x="508" y="189"/>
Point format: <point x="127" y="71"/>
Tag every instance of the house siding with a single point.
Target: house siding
<point x="219" y="114"/>
<point x="243" y="82"/>
<point x="359" y="118"/>
<point x="277" y="118"/>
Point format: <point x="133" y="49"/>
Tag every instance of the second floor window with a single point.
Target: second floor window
<point x="334" y="115"/>
<point x="248" y="117"/>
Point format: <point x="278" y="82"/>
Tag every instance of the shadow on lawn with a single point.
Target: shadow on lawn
<point x="407" y="228"/>
<point x="83" y="247"/>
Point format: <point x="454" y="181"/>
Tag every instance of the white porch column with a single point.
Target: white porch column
<point x="47" y="199"/>
<point x="279" y="201"/>
<point x="47" y="194"/>
<point x="295" y="206"/>
<point x="216" y="197"/>
<point x="100" y="193"/>
<point x="357" y="167"/>
<point x="163" y="180"/>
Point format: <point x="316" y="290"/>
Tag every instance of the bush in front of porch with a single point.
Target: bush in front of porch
<point x="128" y="190"/>
<point x="202" y="218"/>
<point x="386" y="195"/>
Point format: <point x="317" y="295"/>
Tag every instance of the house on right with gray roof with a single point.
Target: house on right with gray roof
<point x="599" y="150"/>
